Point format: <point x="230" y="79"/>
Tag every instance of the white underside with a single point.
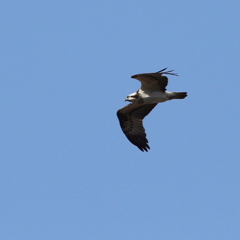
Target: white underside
<point x="155" y="97"/>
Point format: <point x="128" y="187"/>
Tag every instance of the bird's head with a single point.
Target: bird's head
<point x="133" y="97"/>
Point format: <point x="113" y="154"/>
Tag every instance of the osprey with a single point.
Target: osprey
<point x="152" y="92"/>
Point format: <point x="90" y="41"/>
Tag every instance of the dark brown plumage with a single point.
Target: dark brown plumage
<point x="130" y="119"/>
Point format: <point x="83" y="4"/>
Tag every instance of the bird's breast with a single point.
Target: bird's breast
<point x="154" y="97"/>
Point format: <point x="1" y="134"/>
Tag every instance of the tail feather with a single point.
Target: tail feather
<point x="180" y="95"/>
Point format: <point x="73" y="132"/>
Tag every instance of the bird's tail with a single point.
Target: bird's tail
<point x="179" y="95"/>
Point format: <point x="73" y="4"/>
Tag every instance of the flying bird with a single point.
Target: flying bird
<point x="152" y="92"/>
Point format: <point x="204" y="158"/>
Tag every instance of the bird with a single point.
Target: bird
<point x="151" y="92"/>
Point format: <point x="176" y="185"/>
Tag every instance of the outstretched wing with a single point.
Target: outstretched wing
<point x="131" y="121"/>
<point x="154" y="81"/>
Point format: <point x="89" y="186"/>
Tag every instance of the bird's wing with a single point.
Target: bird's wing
<point x="131" y="121"/>
<point x="154" y="81"/>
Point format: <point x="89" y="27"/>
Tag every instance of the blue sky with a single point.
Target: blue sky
<point x="67" y="171"/>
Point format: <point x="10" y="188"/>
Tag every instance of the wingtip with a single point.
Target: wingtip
<point x="144" y="148"/>
<point x="170" y="72"/>
<point x="161" y="70"/>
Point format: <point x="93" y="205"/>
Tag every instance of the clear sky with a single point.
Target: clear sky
<point x="67" y="171"/>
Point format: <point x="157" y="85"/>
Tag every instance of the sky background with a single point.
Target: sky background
<point x="66" y="169"/>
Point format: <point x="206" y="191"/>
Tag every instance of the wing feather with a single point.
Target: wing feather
<point x="153" y="81"/>
<point x="131" y="121"/>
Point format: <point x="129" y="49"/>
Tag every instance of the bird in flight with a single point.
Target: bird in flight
<point x="151" y="92"/>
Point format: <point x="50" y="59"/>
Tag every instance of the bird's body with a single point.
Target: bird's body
<point x="152" y="92"/>
<point x="151" y="96"/>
